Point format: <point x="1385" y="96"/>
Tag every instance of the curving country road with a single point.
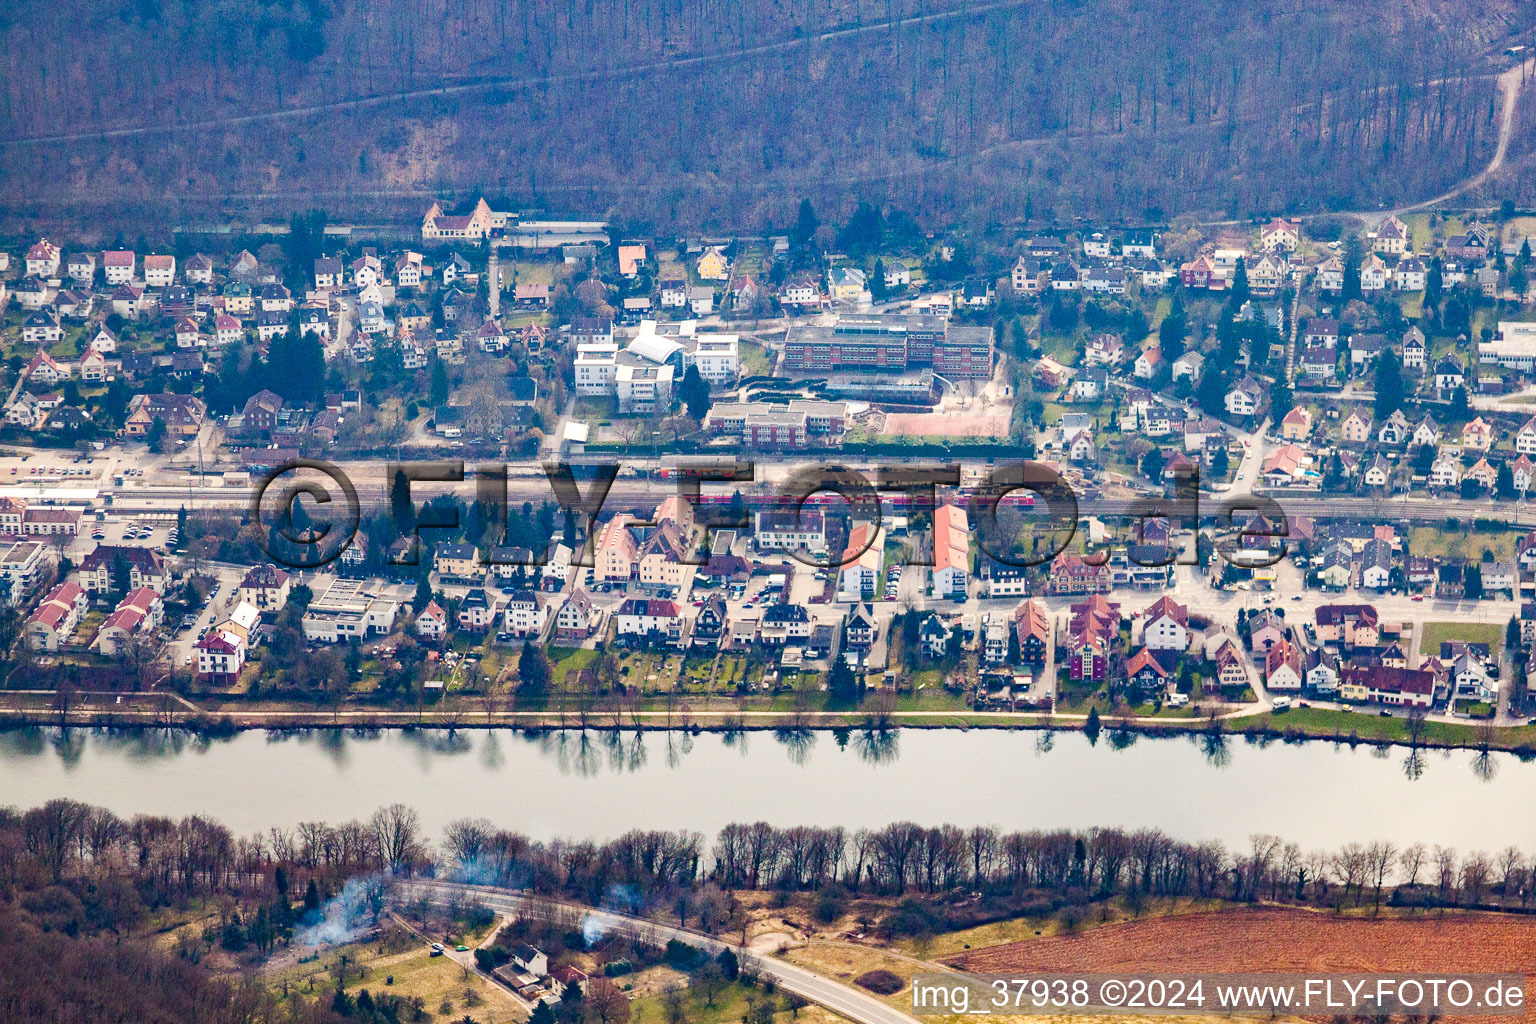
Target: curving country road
<point x="839" y="998"/>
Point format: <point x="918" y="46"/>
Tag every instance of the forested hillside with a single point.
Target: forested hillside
<point x="725" y="114"/>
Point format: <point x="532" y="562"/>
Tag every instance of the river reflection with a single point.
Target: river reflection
<point x="600" y="782"/>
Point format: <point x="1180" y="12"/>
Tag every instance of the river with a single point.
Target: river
<point x="1318" y="794"/>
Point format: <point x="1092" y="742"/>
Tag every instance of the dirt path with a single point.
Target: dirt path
<point x="1510" y="84"/>
<point x="519" y="83"/>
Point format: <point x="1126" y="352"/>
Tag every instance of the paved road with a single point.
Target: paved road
<point x="835" y="996"/>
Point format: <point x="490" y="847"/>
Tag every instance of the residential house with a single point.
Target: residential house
<point x="159" y="270"/>
<point x="459" y="561"/>
<point x="1150" y="670"/>
<point x="1297" y="424"/>
<point x="1391" y="236"/>
<point x="109" y="565"/>
<point x="649" y="620"/>
<point x="1450" y="373"/>
<point x="1243" y="398"/>
<point x="138" y="614"/>
<point x="1280" y="234"/>
<point x="1395" y="430"/>
<point x="1482" y="474"/>
<point x="1165" y="626"/>
<point x="1386" y="685"/>
<point x="1031" y="626"/>
<point x="524" y="614"/>
<point x="265" y="588"/>
<point x="222" y="651"/>
<point x="1188" y="365"/>
<point x="1523" y="470"/>
<point x="1265" y="630"/>
<point x="432" y="622"/>
<point x="577" y="618"/>
<point x="784" y="625"/>
<point x="1104" y="350"/>
<point x="1356" y="427"/>
<point x="1070" y="574"/>
<point x="1415" y="350"/>
<point x="859" y="569"/>
<point x="53" y="621"/>
<point x="1446" y="472"/>
<point x="713" y="266"/>
<point x="1376" y="565"/>
<point x="951" y="552"/>
<point x="478" y="610"/>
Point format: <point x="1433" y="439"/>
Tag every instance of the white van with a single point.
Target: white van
<point x="1282" y="703"/>
<point x="1177" y="700"/>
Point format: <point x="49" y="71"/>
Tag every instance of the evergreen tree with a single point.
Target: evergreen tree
<point x="1434" y="283"/>
<point x="842" y="684"/>
<point x="400" y="510"/>
<point x="533" y="669"/>
<point x="439" y="392"/>
<point x="1461" y="406"/>
<point x="1389" y="384"/>
<point x="1240" y="290"/>
<point x="1211" y="391"/>
<point x="695" y="394"/>
<point x="1281" y="402"/>
<point x="805" y="226"/>
<point x="1505" y="484"/>
<point x="1354" y="255"/>
<point x="1173" y="330"/>
<point x="877" y="290"/>
<point x="156" y="435"/>
<point x="864" y="231"/>
<point x="1091" y="727"/>
<point x="122" y="576"/>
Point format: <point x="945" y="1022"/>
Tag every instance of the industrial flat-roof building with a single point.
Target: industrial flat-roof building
<point x="888" y="342"/>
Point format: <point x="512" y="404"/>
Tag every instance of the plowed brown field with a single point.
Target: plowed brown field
<point x="1278" y="940"/>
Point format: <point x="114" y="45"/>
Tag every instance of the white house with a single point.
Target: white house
<point x="1165" y="626"/>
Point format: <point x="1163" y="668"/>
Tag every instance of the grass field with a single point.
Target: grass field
<point x="1019" y="929"/>
<point x="400" y="965"/>
<point x="1436" y="541"/>
<point x="731" y="1004"/>
<point x="1436" y="633"/>
<point x="1367" y="726"/>
<point x="844" y="962"/>
<point x="755" y="360"/>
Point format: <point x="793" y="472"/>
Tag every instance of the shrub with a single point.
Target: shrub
<point x="882" y="983"/>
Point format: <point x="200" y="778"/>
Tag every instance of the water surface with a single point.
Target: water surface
<point x="599" y="785"/>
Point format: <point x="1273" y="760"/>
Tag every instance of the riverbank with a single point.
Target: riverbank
<point x="158" y="710"/>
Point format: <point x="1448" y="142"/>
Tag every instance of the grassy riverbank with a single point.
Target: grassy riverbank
<point x="216" y="717"/>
